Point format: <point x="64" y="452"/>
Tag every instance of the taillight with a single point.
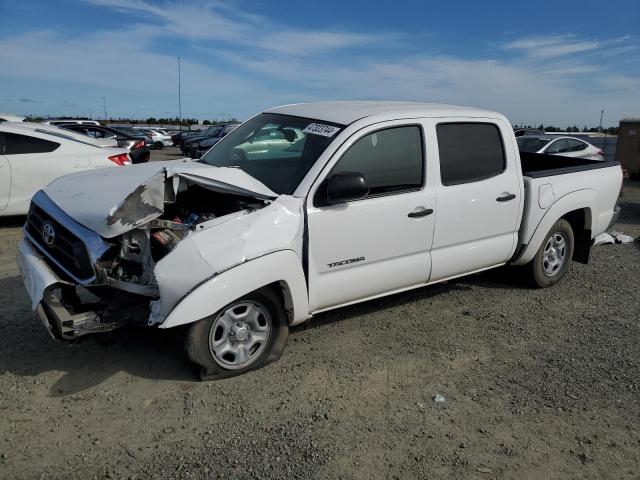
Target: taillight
<point x="600" y="152"/>
<point x="138" y="144"/>
<point x="120" y="159"/>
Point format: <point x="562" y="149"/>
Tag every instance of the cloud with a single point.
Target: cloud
<point x="552" y="46"/>
<point x="228" y="25"/>
<point x="27" y="100"/>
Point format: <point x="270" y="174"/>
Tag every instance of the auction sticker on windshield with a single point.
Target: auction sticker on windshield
<point x="320" y="129"/>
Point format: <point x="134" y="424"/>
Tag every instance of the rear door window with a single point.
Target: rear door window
<point x="469" y="152"/>
<point x="16" y="144"/>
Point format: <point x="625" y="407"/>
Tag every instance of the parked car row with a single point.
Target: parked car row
<point x="160" y="138"/>
<point x="194" y="146"/>
<point x="135" y="143"/>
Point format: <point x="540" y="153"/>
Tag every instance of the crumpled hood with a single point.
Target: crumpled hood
<point x="111" y="201"/>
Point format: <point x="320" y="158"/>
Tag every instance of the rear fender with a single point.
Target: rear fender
<point x="282" y="268"/>
<point x="578" y="200"/>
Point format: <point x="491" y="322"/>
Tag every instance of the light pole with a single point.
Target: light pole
<point x="179" y="97"/>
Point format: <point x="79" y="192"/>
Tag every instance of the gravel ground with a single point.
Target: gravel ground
<point x="536" y="384"/>
<point x="168" y="153"/>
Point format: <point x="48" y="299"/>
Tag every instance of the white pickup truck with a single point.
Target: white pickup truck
<point x="304" y="208"/>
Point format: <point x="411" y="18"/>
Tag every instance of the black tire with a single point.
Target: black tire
<point x="196" y="339"/>
<point x="539" y="268"/>
<point x="159" y="145"/>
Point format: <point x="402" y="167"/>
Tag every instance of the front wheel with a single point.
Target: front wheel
<point x="245" y="335"/>
<point x="552" y="259"/>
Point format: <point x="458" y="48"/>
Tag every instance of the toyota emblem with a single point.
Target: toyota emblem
<point x="48" y="234"/>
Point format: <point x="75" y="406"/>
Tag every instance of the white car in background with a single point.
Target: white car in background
<point x="563" y="146"/>
<point x="32" y="156"/>
<point x="159" y="139"/>
<point x="62" y="121"/>
<point x="7" y="117"/>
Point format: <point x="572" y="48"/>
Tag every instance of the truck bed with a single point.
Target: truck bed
<point x="578" y="184"/>
<point x="536" y="165"/>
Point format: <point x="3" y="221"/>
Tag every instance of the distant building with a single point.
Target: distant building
<point x="628" y="147"/>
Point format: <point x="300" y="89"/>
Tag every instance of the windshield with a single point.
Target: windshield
<point x="278" y="150"/>
<point x="531" y="144"/>
<point x="211" y="131"/>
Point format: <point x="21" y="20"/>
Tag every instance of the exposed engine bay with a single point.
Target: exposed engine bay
<point x="129" y="264"/>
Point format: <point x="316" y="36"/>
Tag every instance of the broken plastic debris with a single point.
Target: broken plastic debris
<point x="622" y="238"/>
<point x="439" y="398"/>
<point x="604" y="239"/>
<point x="611" y="238"/>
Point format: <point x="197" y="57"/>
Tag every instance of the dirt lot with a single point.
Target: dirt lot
<point x="537" y="384"/>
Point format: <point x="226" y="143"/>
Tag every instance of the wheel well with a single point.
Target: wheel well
<point x="580" y="221"/>
<point x="282" y="290"/>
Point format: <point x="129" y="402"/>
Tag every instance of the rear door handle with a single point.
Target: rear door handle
<point x="506" y="198"/>
<point x="420" y="213"/>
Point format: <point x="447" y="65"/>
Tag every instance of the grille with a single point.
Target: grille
<point x="67" y="251"/>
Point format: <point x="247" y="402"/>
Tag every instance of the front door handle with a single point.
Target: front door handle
<point x="420" y="213"/>
<point x="506" y="198"/>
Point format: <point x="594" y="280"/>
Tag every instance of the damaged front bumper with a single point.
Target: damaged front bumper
<point x="46" y="291"/>
<point x="63" y="324"/>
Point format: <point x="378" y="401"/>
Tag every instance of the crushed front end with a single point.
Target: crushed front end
<point x="63" y="268"/>
<point x="81" y="282"/>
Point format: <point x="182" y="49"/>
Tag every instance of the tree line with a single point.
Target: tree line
<point x="574" y="129"/>
<point x="186" y="122"/>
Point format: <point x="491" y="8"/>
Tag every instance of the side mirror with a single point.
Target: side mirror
<point x="342" y="187"/>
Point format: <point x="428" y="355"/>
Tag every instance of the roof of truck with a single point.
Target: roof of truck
<point x="348" y="112"/>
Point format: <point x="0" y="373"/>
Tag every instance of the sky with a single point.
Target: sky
<point x="559" y="62"/>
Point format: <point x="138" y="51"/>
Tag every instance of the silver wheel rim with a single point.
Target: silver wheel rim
<point x="554" y="254"/>
<point x="240" y="334"/>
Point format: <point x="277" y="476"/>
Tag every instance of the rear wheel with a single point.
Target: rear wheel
<point x="552" y="259"/>
<point x="245" y="335"/>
